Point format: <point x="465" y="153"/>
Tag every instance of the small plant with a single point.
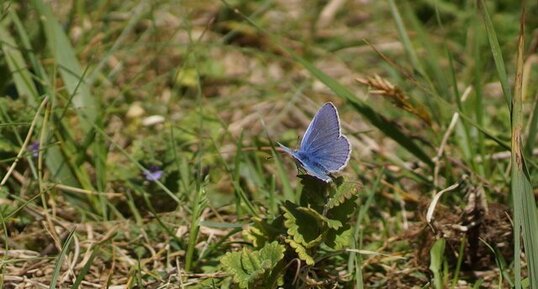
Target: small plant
<point x="287" y="249"/>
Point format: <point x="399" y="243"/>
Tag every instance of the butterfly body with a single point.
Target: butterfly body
<point x="311" y="165"/>
<point x="324" y="150"/>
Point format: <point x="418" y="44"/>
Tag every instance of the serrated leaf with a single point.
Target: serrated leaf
<point x="251" y="267"/>
<point x="343" y="211"/>
<point x="333" y="224"/>
<point x="241" y="266"/>
<point x="255" y="235"/>
<point x="263" y="230"/>
<point x="339" y="239"/>
<point x="301" y="252"/>
<point x="344" y="191"/>
<point x="305" y="225"/>
<point x="271" y="254"/>
<point x="342" y="203"/>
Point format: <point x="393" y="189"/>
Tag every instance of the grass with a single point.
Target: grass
<point x="96" y="96"/>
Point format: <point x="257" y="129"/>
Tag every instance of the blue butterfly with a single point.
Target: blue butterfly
<point x="324" y="149"/>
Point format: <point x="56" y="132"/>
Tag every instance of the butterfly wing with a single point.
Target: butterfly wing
<point x="323" y="142"/>
<point x="334" y="155"/>
<point x="324" y="125"/>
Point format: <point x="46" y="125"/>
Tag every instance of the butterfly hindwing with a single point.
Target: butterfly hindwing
<point x="334" y="155"/>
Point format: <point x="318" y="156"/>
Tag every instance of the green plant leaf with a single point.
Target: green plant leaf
<point x="301" y="252"/>
<point x="305" y="225"/>
<point x="270" y="254"/>
<point x="333" y="224"/>
<point x="339" y="239"/>
<point x="263" y="230"/>
<point x="85" y="268"/>
<point x="251" y="268"/>
<point x="525" y="213"/>
<point x="314" y="192"/>
<point x="343" y="191"/>
<point x="436" y="262"/>
<point x="344" y="211"/>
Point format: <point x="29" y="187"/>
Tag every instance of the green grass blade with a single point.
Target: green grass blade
<point x="283" y="176"/>
<point x="25" y="42"/>
<point x="236" y="175"/>
<point x="461" y="252"/>
<point x="525" y="214"/>
<point x="496" y="51"/>
<point x="355" y="260"/>
<point x="490" y="135"/>
<point x="60" y="259"/>
<point x="431" y="58"/>
<point x="437" y="253"/>
<point x="5" y="238"/>
<point x="240" y="193"/>
<point x="86" y="268"/>
<point x="478" y="68"/>
<point x="199" y="204"/>
<point x="100" y="153"/>
<point x="70" y="69"/>
<point x="22" y="76"/>
<point x="532" y="131"/>
<point x="402" y="32"/>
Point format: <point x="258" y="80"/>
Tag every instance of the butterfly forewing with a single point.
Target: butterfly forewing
<point x="325" y="126"/>
<point x="323" y="141"/>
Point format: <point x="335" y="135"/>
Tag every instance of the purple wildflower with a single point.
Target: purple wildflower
<point x="153" y="173"/>
<point x="34" y="149"/>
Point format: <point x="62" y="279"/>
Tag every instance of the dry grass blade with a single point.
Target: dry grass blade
<point x="384" y="88"/>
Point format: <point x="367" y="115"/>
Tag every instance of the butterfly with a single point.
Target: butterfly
<point x="324" y="149"/>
